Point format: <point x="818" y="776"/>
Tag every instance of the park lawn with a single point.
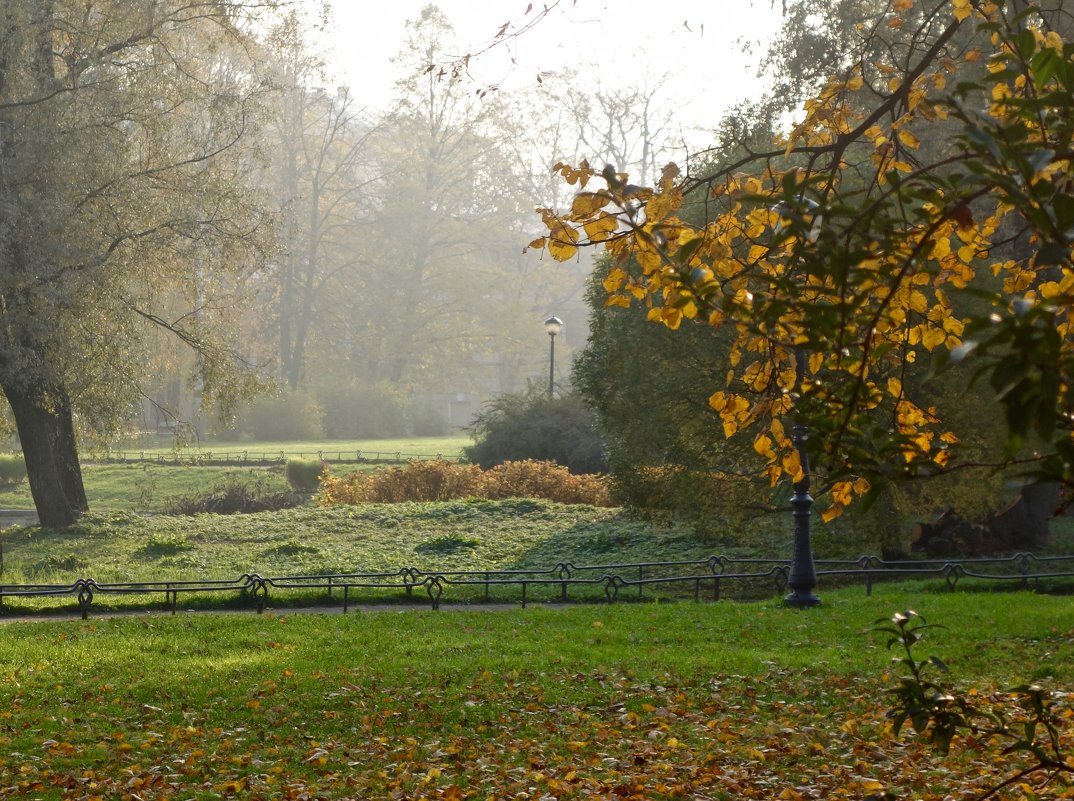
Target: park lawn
<point x="720" y="701"/>
<point x="451" y="535"/>
<point x="150" y="487"/>
<point x="427" y="447"/>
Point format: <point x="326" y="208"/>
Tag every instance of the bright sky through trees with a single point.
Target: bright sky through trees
<point x="700" y="46"/>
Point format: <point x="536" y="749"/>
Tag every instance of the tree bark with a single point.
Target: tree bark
<point x="66" y="452"/>
<point x="46" y="431"/>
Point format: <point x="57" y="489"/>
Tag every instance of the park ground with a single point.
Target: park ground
<point x="660" y="700"/>
<point x="648" y="701"/>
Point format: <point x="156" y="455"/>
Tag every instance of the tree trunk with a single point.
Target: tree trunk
<point x="46" y="431"/>
<point x="65" y="448"/>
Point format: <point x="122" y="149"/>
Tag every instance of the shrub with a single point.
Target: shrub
<point x="303" y="474"/>
<point x="553" y="482"/>
<point x="361" y="411"/>
<point x="289" y="416"/>
<point x="12" y="469"/>
<point x="532" y="426"/>
<point x="417" y="481"/>
<point x="441" y="481"/>
<point x="425" y="421"/>
<point x="1027" y="720"/>
<point x="233" y="496"/>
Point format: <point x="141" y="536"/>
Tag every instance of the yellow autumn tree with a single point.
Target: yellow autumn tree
<point x="850" y="251"/>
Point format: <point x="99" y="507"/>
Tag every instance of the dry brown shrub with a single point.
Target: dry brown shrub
<point x="441" y="481"/>
<point x="548" y="480"/>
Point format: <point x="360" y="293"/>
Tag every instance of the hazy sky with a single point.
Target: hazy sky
<point x="698" y="43"/>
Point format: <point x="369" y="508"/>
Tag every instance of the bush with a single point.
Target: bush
<point x="553" y="482"/>
<point x="441" y="481"/>
<point x="417" y="481"/>
<point x="426" y="421"/>
<point x="303" y="475"/>
<point x="533" y="426"/>
<point x="234" y="496"/>
<point x="361" y="411"/>
<point x="12" y="469"/>
<point x="290" y="416"/>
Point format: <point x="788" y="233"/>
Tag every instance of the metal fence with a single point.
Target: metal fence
<point x="262" y="458"/>
<point x="704" y="579"/>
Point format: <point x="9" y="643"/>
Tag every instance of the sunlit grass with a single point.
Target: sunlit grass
<point x="430" y="447"/>
<point x="729" y="698"/>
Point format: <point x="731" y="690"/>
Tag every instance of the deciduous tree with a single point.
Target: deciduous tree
<point x="122" y="210"/>
<point x="847" y="252"/>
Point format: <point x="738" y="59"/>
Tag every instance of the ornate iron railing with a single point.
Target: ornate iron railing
<point x="703" y="579"/>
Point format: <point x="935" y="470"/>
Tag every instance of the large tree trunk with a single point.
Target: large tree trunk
<point x="66" y="450"/>
<point x="46" y="431"/>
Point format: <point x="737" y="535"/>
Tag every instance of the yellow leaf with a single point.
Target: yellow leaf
<point x="670" y="172"/>
<point x="961" y="9"/>
<point x="600" y="227"/>
<point x="792" y="464"/>
<point x="774" y="471"/>
<point x="561" y="251"/>
<point x="931" y="337"/>
<point x="832" y="512"/>
<point x="660" y="206"/>
<point x="614" y="279"/>
<point x="941" y="247"/>
<point x="763" y="446"/>
<point x="587" y="203"/>
<point x="537" y="244"/>
<point x="908" y="139"/>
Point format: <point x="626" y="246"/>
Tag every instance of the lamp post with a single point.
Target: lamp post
<point x="803" y="575"/>
<point x="552" y="325"/>
<point x="802" y="578"/>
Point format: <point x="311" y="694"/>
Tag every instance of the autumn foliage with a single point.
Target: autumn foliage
<point x="918" y="216"/>
<point x="441" y="481"/>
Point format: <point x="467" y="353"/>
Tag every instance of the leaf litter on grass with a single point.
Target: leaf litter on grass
<point x="599" y="734"/>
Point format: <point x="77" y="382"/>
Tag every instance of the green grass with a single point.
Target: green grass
<point x="425" y="446"/>
<point x="471" y="534"/>
<point x="148" y="487"/>
<point x="685" y="700"/>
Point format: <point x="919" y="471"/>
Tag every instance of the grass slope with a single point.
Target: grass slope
<point x="721" y="701"/>
<point x="452" y="535"/>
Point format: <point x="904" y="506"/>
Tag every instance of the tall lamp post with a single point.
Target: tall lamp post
<point x="553" y="325"/>
<point x="802" y="578"/>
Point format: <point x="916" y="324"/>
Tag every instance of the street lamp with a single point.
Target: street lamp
<point x="553" y="325"/>
<point x="802" y="578"/>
